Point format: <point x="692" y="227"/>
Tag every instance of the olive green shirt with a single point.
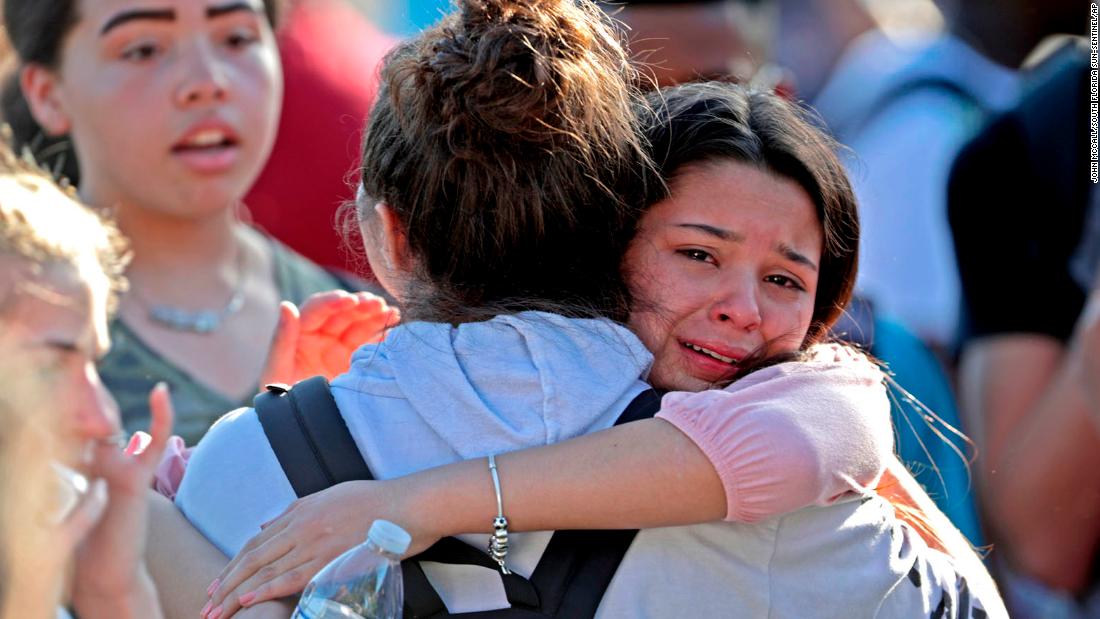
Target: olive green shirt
<point x="132" y="368"/>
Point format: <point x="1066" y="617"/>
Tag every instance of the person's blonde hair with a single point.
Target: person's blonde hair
<point x="45" y="224"/>
<point x="42" y="226"/>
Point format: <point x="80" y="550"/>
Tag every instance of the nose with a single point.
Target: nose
<point x="203" y="79"/>
<point x="95" y="410"/>
<point x="738" y="307"/>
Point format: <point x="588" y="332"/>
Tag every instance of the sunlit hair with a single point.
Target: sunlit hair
<point x="45" y="225"/>
<point x="505" y="140"/>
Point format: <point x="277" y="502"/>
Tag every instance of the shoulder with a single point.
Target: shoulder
<point x="298" y="277"/>
<point x="234" y="441"/>
<point x="234" y="482"/>
<point x="821" y="368"/>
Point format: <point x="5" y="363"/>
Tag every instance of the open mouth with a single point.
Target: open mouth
<point x="710" y="353"/>
<point x="206" y="140"/>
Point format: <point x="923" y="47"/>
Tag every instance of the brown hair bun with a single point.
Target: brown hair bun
<point x="505" y="137"/>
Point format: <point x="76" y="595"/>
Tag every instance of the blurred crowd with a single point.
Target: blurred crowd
<point x="963" y="125"/>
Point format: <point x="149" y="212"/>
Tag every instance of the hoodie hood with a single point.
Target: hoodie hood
<point x="507" y="383"/>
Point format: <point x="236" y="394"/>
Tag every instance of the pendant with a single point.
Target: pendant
<point x="200" y="321"/>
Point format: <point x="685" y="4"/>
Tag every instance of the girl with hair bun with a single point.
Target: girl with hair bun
<point x="507" y="286"/>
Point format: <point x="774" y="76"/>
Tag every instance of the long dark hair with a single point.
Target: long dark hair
<point x="505" y="140"/>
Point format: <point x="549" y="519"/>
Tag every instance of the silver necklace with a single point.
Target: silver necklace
<point x="196" y="321"/>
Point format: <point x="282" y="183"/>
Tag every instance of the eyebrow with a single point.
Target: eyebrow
<point x="782" y="249"/>
<point x="169" y="15"/>
<point x="65" y="346"/>
<point x="721" y="233"/>
<point x="233" y="7"/>
<point x="789" y="253"/>
<point x="126" y="17"/>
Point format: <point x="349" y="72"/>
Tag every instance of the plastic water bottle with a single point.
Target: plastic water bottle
<point x="363" y="583"/>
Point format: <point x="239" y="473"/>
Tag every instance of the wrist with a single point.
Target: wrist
<point x="417" y="500"/>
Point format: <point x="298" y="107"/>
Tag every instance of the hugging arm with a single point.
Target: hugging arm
<point x="778" y="443"/>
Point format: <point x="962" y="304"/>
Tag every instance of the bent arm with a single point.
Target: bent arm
<point x="777" y="444"/>
<point x="638" y="475"/>
<point x="1042" y="453"/>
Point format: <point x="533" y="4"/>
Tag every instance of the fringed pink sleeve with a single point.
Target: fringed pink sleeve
<point x="791" y="435"/>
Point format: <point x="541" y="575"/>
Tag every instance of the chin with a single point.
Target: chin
<point x="678" y="381"/>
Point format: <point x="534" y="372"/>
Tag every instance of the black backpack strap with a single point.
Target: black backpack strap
<point x="309" y="436"/>
<point x="520" y="592"/>
<point x="577" y="566"/>
<point x="572" y="575"/>
<point x="316" y="451"/>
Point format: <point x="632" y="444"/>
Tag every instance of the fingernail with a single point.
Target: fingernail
<point x="214" y="614"/>
<point x="139" y="442"/>
<point x="206" y="610"/>
<point x="213" y="585"/>
<point x="247" y="598"/>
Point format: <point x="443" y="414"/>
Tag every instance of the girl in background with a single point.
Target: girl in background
<point x="171" y="113"/>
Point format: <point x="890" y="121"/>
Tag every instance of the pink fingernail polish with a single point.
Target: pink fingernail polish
<point x="213" y="586"/>
<point x="205" y="610"/>
<point x="247" y="598"/>
<point x="214" y="614"/>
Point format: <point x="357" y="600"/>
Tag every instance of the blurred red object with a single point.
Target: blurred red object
<point x="330" y="55"/>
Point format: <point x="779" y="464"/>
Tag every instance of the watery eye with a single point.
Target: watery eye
<point x="696" y="254"/>
<point x="784" y="281"/>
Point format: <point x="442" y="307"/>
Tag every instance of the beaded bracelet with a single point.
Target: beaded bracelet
<point x="498" y="542"/>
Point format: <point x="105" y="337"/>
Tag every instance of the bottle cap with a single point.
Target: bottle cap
<point x="389" y="537"/>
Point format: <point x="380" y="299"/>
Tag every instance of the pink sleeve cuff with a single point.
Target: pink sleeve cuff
<point x="791" y="435"/>
<point x="169" y="473"/>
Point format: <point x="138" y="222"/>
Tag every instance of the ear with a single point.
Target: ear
<point x="395" y="239"/>
<point x="41" y="90"/>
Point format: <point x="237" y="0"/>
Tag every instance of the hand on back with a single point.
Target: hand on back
<point x="320" y="338"/>
<point x="314" y="530"/>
